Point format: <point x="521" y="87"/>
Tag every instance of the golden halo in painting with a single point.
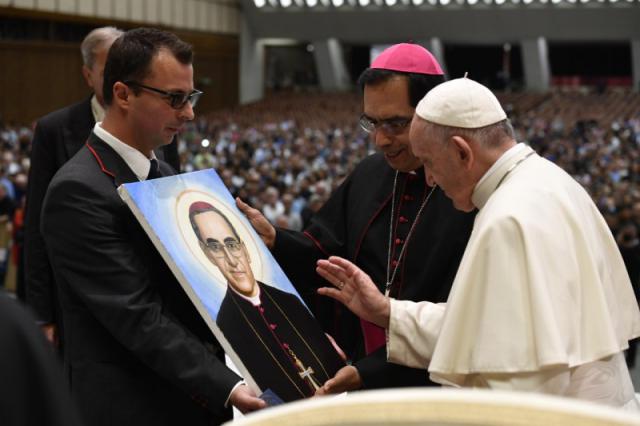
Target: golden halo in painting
<point x="184" y="201"/>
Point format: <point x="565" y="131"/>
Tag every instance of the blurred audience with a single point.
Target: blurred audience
<point x="285" y="154"/>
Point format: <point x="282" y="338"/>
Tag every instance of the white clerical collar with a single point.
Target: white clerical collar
<point x="136" y="160"/>
<point x="254" y="300"/>
<point x="493" y="177"/>
<point x="96" y="109"/>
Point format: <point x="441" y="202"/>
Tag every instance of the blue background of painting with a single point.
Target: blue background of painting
<point x="156" y="200"/>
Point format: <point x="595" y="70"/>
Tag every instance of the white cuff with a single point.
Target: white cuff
<point x="240" y="383"/>
<point x="413" y="331"/>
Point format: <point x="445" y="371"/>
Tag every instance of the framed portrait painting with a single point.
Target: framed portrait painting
<point x="235" y="283"/>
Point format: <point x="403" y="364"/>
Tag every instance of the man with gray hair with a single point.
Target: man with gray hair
<point x="541" y="301"/>
<point x="94" y="49"/>
<point x="57" y="137"/>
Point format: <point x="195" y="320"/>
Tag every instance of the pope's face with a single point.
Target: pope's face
<point x="441" y="165"/>
<point x="226" y="252"/>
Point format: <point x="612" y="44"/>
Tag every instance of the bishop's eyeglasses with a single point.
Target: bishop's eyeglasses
<point x="233" y="247"/>
<point x="177" y="100"/>
<point x="390" y="126"/>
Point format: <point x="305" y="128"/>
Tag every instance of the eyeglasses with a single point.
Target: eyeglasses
<point x="234" y="247"/>
<point x="390" y="126"/>
<point x="177" y="100"/>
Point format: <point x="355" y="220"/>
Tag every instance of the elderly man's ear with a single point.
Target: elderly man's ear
<point x="463" y="154"/>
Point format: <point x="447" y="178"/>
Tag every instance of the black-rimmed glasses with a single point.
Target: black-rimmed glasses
<point x="177" y="100"/>
<point x="233" y="247"/>
<point x="390" y="126"/>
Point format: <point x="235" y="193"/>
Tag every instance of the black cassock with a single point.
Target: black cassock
<point x="278" y="341"/>
<point x="355" y="223"/>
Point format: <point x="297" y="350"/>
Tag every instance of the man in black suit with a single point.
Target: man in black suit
<point x="136" y="350"/>
<point x="57" y="138"/>
<point x="271" y="331"/>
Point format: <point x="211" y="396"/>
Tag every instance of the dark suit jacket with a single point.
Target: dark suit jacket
<point x="57" y="138"/>
<point x="136" y="350"/>
<point x="258" y="344"/>
<point x="32" y="392"/>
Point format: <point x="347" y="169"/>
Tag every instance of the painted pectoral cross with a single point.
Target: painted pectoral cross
<point x="306" y="373"/>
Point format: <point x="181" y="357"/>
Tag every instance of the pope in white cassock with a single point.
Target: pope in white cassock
<point x="542" y="301"/>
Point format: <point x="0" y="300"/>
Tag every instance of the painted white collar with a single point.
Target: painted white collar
<point x="255" y="300"/>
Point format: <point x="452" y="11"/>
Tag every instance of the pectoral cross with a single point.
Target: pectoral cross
<point x="306" y="373"/>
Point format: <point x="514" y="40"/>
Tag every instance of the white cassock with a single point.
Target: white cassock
<point x="541" y="301"/>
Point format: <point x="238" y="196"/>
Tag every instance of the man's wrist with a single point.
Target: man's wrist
<point x="240" y="383"/>
<point x="386" y="313"/>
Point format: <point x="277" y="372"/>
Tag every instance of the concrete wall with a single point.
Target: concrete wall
<point x="219" y="16"/>
<point x="593" y="21"/>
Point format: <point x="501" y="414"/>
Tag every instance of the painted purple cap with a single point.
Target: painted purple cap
<point x="199" y="206"/>
<point x="407" y="57"/>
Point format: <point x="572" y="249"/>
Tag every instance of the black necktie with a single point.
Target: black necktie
<point x="154" y="170"/>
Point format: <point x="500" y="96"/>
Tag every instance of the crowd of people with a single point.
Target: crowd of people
<point x="15" y="144"/>
<point x="105" y="299"/>
<point x="127" y="333"/>
<point x="286" y="154"/>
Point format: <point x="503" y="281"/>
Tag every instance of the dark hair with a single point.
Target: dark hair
<point x="131" y="54"/>
<point x="206" y="207"/>
<point x="419" y="84"/>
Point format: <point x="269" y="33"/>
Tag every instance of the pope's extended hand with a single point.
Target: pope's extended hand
<point x="260" y="223"/>
<point x="245" y="400"/>
<point x="346" y="379"/>
<point x="354" y="289"/>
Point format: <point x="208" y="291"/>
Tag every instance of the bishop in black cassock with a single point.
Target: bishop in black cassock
<point x="384" y="217"/>
<point x="278" y="341"/>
